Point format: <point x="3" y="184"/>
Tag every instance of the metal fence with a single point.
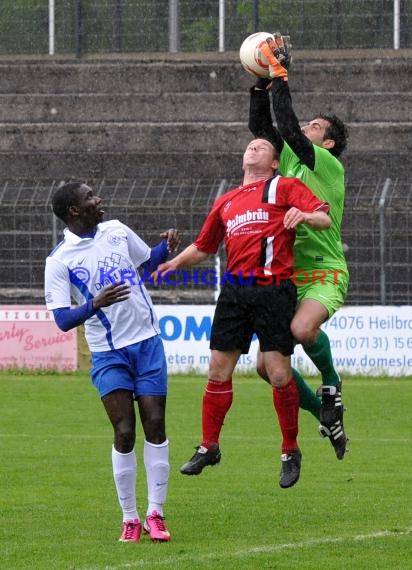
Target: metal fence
<point x="29" y="230"/>
<point x="377" y="234"/>
<point x="104" y="26"/>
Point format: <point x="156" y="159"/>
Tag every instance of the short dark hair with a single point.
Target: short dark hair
<point x="275" y="150"/>
<point x="337" y="131"/>
<point x="64" y="197"/>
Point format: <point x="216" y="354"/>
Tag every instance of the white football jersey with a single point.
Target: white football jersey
<point x="78" y="268"/>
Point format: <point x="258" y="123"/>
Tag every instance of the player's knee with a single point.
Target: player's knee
<point x="124" y="438"/>
<point x="279" y="378"/>
<point x="302" y="332"/>
<point x="278" y="375"/>
<point x="154" y="429"/>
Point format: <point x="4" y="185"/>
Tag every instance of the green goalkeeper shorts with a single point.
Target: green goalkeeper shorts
<point x="327" y="287"/>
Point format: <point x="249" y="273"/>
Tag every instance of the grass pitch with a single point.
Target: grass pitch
<point x="59" y="508"/>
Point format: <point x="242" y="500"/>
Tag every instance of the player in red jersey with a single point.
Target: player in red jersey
<point x="257" y="223"/>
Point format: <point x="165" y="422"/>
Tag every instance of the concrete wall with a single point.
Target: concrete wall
<point x="171" y="118"/>
<point x="186" y="115"/>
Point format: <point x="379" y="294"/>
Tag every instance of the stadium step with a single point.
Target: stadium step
<point x="215" y="107"/>
<point x="95" y="136"/>
<point x="160" y="164"/>
<point x="375" y="71"/>
<point x="113" y="116"/>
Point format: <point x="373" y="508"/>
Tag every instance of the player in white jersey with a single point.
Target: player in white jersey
<point x="97" y="266"/>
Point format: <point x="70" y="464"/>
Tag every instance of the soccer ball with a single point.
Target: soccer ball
<point x="253" y="61"/>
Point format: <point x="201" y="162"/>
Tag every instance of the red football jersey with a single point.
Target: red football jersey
<point x="250" y="221"/>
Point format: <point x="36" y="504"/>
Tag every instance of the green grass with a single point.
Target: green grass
<point x="59" y="509"/>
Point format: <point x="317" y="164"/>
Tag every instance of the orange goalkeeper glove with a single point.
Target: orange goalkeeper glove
<point x="282" y="49"/>
<point x="277" y="52"/>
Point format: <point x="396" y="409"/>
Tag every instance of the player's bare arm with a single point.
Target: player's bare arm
<point x="189" y="256"/>
<point x="317" y="220"/>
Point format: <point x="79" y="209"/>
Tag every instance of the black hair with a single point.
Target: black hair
<point x="337" y="131"/>
<point x="275" y="150"/>
<point x="65" y="196"/>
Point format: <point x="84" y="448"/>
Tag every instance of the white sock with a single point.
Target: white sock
<point x="156" y="460"/>
<point x="124" y="473"/>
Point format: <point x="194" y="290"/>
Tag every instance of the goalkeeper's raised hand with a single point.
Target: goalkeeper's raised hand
<point x="277" y="52"/>
<point x="282" y="49"/>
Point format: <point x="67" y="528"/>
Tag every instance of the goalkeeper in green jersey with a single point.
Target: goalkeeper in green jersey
<point x="309" y="153"/>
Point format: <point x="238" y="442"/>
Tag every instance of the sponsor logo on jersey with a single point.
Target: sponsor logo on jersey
<point x="113" y="239"/>
<point x="79" y="275"/>
<point x="259" y="216"/>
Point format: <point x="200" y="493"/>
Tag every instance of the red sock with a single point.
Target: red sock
<point x="217" y="400"/>
<point x="286" y="401"/>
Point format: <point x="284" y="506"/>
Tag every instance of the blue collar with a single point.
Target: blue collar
<point x="89" y="235"/>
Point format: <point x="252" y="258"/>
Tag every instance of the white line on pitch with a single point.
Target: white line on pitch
<point x="245" y="553"/>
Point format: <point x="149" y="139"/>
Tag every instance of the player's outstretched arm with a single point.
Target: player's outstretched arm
<point x="189" y="256"/>
<point x="277" y="51"/>
<point x="288" y="124"/>
<point x="159" y="253"/>
<point x="260" y="119"/>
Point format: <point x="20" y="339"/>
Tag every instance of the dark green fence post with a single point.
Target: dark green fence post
<point x="117" y="31"/>
<point x="78" y="27"/>
<point x="255" y="15"/>
<point x="339" y="23"/>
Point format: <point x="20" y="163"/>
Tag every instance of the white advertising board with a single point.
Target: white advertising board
<point x="365" y="340"/>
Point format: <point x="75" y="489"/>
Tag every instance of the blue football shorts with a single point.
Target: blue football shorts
<point x="139" y="368"/>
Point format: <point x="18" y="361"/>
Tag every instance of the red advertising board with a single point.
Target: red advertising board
<point x="29" y="338"/>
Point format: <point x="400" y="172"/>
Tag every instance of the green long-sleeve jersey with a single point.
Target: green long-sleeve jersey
<point x="314" y="249"/>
